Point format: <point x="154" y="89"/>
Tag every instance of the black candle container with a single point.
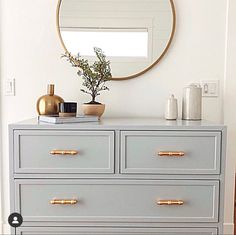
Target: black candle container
<point x="67" y="109"/>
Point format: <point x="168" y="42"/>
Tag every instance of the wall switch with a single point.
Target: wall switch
<point x="10" y="87"/>
<point x="210" y="88"/>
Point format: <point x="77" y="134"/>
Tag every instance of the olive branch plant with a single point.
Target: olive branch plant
<point x="95" y="75"/>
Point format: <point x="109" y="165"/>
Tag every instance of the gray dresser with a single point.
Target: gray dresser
<point x="121" y="176"/>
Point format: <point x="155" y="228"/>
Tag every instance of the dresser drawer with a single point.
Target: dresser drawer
<point x="64" y="151"/>
<point x="170" y="152"/>
<point x="117" y="200"/>
<point x="114" y="231"/>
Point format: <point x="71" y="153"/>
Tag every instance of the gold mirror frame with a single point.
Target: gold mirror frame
<point x="145" y="70"/>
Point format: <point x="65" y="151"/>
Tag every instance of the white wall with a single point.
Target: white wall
<point x="31" y="54"/>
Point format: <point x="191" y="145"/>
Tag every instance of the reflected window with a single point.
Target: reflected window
<point x="114" y="42"/>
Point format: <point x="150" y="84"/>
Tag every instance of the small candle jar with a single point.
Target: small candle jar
<point x="67" y="109"/>
<point x="171" y="112"/>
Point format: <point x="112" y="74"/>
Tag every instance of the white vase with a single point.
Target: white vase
<point x="171" y="112"/>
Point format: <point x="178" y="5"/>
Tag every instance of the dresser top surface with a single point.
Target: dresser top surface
<point x="123" y="123"/>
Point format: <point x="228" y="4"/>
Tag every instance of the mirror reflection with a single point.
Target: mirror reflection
<point x="134" y="34"/>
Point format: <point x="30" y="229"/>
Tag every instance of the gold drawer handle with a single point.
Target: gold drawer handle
<point x="170" y="202"/>
<point x="64" y="152"/>
<point x="63" y="201"/>
<point x="171" y="154"/>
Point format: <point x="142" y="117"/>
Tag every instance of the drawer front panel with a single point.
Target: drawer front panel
<point x="117" y="200"/>
<point x="170" y="152"/>
<point x="64" y="151"/>
<point x="122" y="231"/>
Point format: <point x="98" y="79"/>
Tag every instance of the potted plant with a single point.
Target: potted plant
<point x="94" y="78"/>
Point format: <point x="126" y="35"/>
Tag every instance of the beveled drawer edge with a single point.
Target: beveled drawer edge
<point x="151" y="171"/>
<point x="121" y="219"/>
<point x="16" y="150"/>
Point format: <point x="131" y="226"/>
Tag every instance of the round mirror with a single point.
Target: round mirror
<point x="134" y="34"/>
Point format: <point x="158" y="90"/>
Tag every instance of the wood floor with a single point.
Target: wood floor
<point x="235" y="208"/>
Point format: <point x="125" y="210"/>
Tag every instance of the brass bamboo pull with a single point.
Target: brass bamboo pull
<point x="64" y="152"/>
<point x="171" y="154"/>
<point x="170" y="202"/>
<point x="63" y="201"/>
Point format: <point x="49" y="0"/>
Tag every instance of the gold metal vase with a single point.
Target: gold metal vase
<point x="49" y="104"/>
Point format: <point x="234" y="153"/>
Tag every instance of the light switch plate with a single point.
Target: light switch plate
<point x="210" y="88"/>
<point x="10" y="87"/>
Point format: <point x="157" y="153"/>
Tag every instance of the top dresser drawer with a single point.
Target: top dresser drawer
<point x="68" y="152"/>
<point x="170" y="152"/>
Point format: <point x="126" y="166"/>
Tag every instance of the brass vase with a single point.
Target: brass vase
<point x="49" y="104"/>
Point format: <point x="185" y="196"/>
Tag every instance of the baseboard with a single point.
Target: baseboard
<point x="6" y="229"/>
<point x="228" y="228"/>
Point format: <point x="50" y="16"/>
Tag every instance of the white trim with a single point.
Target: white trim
<point x="228" y="228"/>
<point x="6" y="229"/>
<point x="1" y="228"/>
<point x="1" y="153"/>
<point x="224" y="83"/>
<point x="229" y="115"/>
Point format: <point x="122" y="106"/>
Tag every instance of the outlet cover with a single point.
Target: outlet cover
<point x="10" y="87"/>
<point x="210" y="88"/>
